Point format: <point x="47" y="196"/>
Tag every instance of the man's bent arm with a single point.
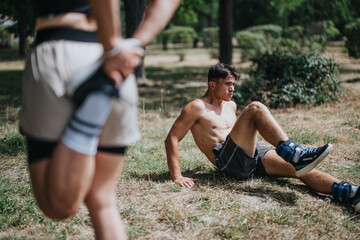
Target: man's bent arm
<point x="182" y="125"/>
<point x="157" y="16"/>
<point x="107" y="14"/>
<point x="172" y="154"/>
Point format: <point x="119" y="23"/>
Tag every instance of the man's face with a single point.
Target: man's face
<point x="224" y="89"/>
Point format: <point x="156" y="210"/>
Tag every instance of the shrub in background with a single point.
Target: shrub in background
<point x="330" y="31"/>
<point x="283" y="80"/>
<point x="294" y="32"/>
<point x="210" y="37"/>
<point x="268" y="30"/>
<point x="214" y="53"/>
<point x="290" y="45"/>
<point x="251" y="44"/>
<point x="317" y="43"/>
<point x="352" y="33"/>
<point x="5" y="38"/>
<point x="179" y="35"/>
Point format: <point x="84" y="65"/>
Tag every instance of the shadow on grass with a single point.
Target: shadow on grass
<point x="172" y="87"/>
<point x="10" y="55"/>
<point x="355" y="80"/>
<point x="215" y="179"/>
<point x="344" y="70"/>
<point x="10" y="90"/>
<point x="177" y="74"/>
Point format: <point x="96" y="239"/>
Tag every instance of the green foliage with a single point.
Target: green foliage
<point x="180" y="35"/>
<point x="317" y="43"/>
<point x="317" y="35"/>
<point x="185" y="15"/>
<point x="330" y="31"/>
<point x="352" y="33"/>
<point x="251" y="44"/>
<point x="290" y="45"/>
<point x="256" y="12"/>
<point x="214" y="53"/>
<point x="283" y="80"/>
<point x="294" y="32"/>
<point x="12" y="144"/>
<point x="210" y="37"/>
<point x="19" y="11"/>
<point x="295" y="12"/>
<point x="4" y="38"/>
<point x="17" y="206"/>
<point x="304" y="12"/>
<point x="268" y="30"/>
<point x="181" y="55"/>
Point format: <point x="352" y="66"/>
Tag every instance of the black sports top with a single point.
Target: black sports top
<point x="44" y="8"/>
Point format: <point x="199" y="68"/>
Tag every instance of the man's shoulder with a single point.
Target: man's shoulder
<point x="232" y="104"/>
<point x="195" y="105"/>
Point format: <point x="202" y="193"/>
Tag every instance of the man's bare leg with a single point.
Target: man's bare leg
<point x="253" y="119"/>
<point x="256" y="117"/>
<point x="101" y="200"/>
<point x="60" y="183"/>
<point x="316" y="180"/>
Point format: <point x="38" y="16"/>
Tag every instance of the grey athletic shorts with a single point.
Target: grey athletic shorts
<point x="234" y="162"/>
<point x="46" y="107"/>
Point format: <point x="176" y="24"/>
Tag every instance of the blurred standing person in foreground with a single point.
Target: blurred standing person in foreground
<point x="79" y="108"/>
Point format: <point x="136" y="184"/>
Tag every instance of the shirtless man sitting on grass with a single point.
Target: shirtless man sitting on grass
<point x="230" y="143"/>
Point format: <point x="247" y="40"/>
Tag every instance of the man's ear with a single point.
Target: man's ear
<point x="212" y="84"/>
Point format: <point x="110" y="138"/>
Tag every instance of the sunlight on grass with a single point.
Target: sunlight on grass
<point x="153" y="207"/>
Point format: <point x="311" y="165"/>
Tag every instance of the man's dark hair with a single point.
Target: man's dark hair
<point x="222" y="70"/>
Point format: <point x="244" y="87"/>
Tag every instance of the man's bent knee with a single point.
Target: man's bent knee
<point x="100" y="199"/>
<point x="63" y="207"/>
<point x="256" y="105"/>
<point x="57" y="213"/>
<point x="254" y="108"/>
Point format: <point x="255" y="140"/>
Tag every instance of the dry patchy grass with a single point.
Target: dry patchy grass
<point x="153" y="207"/>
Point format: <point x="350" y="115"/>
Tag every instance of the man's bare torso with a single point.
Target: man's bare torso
<point x="213" y="125"/>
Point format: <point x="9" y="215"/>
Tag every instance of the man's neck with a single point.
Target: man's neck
<point x="210" y="98"/>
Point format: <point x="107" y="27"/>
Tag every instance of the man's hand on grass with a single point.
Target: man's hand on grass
<point x="186" y="182"/>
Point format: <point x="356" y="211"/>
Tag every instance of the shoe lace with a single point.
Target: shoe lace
<point x="308" y="151"/>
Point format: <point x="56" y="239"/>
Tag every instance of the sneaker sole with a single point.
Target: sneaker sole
<point x="312" y="165"/>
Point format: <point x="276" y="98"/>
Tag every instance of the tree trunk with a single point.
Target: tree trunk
<point x="225" y="30"/>
<point x="22" y="36"/>
<point x="134" y="13"/>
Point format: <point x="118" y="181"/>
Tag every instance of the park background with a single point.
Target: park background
<point x="299" y="57"/>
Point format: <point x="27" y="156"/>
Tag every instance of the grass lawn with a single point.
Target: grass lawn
<point x="153" y="207"/>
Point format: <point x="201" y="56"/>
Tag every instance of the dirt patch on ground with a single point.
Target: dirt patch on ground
<point x="12" y="65"/>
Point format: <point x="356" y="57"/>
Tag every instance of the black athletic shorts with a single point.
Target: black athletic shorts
<point x="234" y="162"/>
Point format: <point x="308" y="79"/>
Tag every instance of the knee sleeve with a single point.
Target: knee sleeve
<point x="82" y="133"/>
<point x="100" y="82"/>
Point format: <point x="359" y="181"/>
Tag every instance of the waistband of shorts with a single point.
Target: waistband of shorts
<point x="64" y="33"/>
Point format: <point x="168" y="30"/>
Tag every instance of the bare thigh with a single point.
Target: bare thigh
<point x="255" y="118"/>
<point x="107" y="170"/>
<point x="60" y="183"/>
<point x="244" y="133"/>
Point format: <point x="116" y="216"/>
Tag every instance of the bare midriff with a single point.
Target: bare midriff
<point x="71" y="20"/>
<point x="212" y="128"/>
